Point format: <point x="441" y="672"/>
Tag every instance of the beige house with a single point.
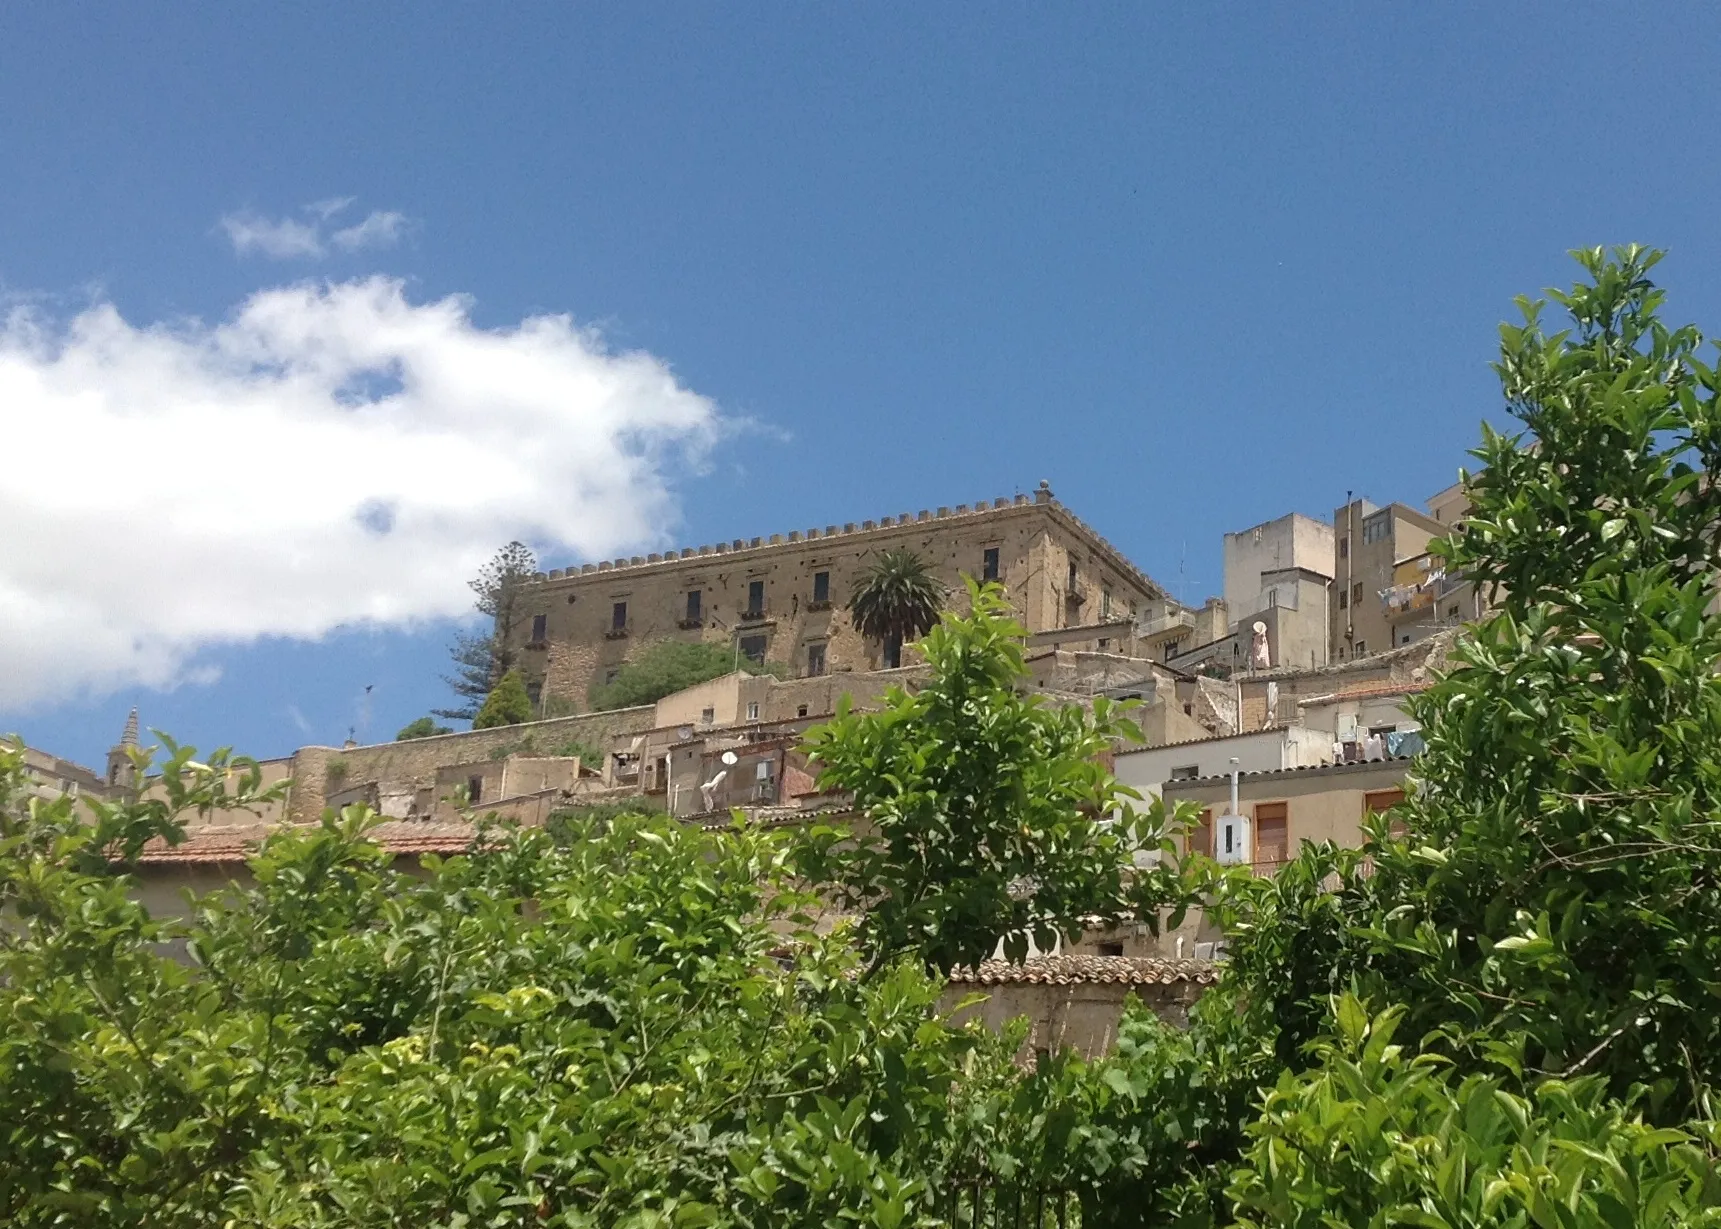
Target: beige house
<point x="1289" y="806"/>
<point x="1076" y="999"/>
<point x="782" y="599"/>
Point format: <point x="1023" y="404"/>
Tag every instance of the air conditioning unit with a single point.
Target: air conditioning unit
<point x="1231" y="839"/>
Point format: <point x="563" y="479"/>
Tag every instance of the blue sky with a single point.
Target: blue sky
<point x="1197" y="266"/>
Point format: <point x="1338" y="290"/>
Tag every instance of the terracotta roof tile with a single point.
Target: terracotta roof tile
<point x="1076" y="970"/>
<point x="231" y="845"/>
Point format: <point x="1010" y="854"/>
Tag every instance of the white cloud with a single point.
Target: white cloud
<point x="381" y="228"/>
<point x="280" y="240"/>
<point x="290" y="239"/>
<point x="331" y="454"/>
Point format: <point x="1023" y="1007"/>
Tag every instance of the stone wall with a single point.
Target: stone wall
<point x="416" y="761"/>
<point x="1038" y="542"/>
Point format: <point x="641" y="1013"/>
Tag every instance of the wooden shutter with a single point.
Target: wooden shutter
<point x="1272" y="838"/>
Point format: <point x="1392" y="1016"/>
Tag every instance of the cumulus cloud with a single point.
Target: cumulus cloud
<point x="330" y="454"/>
<point x="252" y="233"/>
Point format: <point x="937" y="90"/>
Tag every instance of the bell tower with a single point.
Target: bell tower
<point x="122" y="773"/>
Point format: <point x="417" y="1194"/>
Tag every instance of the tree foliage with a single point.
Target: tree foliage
<point x="482" y="658"/>
<point x="508" y="704"/>
<point x="633" y="1026"/>
<point x="422" y="727"/>
<point x="666" y="667"/>
<point x="897" y="599"/>
<point x="1508" y="1014"/>
<point x="987" y="815"/>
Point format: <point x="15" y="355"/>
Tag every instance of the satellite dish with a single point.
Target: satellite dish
<point x="730" y="758"/>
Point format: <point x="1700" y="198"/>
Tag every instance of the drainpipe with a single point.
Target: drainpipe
<point x="1234" y="785"/>
<point x="1350" y="569"/>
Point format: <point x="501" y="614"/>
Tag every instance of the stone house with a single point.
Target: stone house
<point x="782" y="600"/>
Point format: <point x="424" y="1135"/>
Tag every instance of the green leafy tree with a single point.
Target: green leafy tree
<point x="422" y="727"/>
<point x="481" y="659"/>
<point x="897" y="599"/>
<point x="507" y="705"/>
<point x="634" y="1026"/>
<point x="666" y="667"/>
<point x="987" y="815"/>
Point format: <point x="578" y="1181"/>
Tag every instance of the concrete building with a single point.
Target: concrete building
<point x="1150" y="769"/>
<point x="1369" y="545"/>
<point x="1290" y="806"/>
<point x="782" y="600"/>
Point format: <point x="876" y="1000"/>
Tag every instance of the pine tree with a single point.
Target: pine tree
<point x="508" y="704"/>
<point x="481" y="660"/>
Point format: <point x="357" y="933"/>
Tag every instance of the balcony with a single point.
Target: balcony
<point x="616" y="633"/>
<point x="1175" y="623"/>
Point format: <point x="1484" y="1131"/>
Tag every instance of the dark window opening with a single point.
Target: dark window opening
<point x="989" y="564"/>
<point x="801" y="711"/>
<point x="1356" y="592"/>
<point x="618" y="616"/>
<point x="540" y="627"/>
<point x="1344" y="600"/>
<point x="474" y="790"/>
<point x="821" y="586"/>
<point x="1187" y="772"/>
<point x="1344" y="547"/>
<point x="694" y="605"/>
<point x="1070" y="587"/>
<point x="815" y="660"/>
<point x="1109" y="949"/>
<point x="535" y="691"/>
<point x="753" y="649"/>
<point x="755" y="598"/>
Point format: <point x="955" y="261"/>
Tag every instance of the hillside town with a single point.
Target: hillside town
<point x="1289" y="686"/>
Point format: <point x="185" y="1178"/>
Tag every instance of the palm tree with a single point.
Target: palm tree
<point x="897" y="600"/>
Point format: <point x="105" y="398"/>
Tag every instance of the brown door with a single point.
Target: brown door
<point x="1272" y="840"/>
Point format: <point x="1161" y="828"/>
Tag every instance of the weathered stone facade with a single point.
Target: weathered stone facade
<point x="765" y="598"/>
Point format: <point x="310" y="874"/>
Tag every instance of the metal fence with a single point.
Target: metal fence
<point x="982" y="1204"/>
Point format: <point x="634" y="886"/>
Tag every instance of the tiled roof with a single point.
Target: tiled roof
<point x="231" y="845"/>
<point x="1079" y="970"/>
<point x="1300" y="770"/>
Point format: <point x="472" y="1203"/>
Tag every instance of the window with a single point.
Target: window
<point x="755" y="598"/>
<point x="474" y="790"/>
<point x="1108" y="949"/>
<point x="1344" y="600"/>
<point x="535" y="691"/>
<point x="753" y="649"/>
<point x="1404" y="639"/>
<point x="801" y="711"/>
<point x="707" y="716"/>
<point x="752" y="710"/>
<point x="821" y="586"/>
<point x="618" y="617"/>
<point x="1377" y="801"/>
<point x="1344" y="546"/>
<point x="1361" y="648"/>
<point x="611" y="675"/>
<point x="1356" y="594"/>
<point x="1186" y="772"/>
<point x="815" y="660"/>
<point x="1104" y="644"/>
<point x="1070" y="588"/>
<point x="540" y="627"/>
<point x="695" y="605"/>
<point x="1377" y="528"/>
<point x="1452" y="611"/>
<point x="989" y="563"/>
<point x="1105" y="603"/>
